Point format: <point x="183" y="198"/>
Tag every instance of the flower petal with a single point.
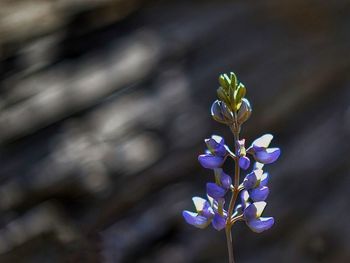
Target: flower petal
<point x="211" y="200"/>
<point x="254" y="210"/>
<point x="241" y="143"/>
<point x="260" y="206"/>
<point x="258" y="166"/>
<point x="216" y="145"/>
<point x="244" y="162"/>
<point x="268" y="155"/>
<point x="261" y="224"/>
<point x="225" y="180"/>
<point x="195" y="220"/>
<point x="264" y="179"/>
<point x="207" y="211"/>
<point x="252" y="179"/>
<point x="215" y="191"/>
<point x="262" y="142"/>
<point x="219" y="222"/>
<point x="199" y="203"/>
<point x="218" y="139"/>
<point x="259" y="194"/>
<point x="210" y="161"/>
<point x="244" y="198"/>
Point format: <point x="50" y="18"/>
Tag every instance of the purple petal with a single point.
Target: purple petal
<point x="207" y="211"/>
<point x="225" y="180"/>
<point x="268" y="155"/>
<point x="252" y="179"/>
<point x="259" y="194"/>
<point x="218" y="202"/>
<point x="221" y="151"/>
<point x="264" y="179"/>
<point x="216" y="145"/>
<point x="244" y="162"/>
<point x="249" y="212"/>
<point x="195" y="220"/>
<point x="203" y="207"/>
<point x="219" y="222"/>
<point x="261" y="224"/>
<point x="215" y="191"/>
<point x="254" y="210"/>
<point x="210" y="161"/>
<point x="244" y="198"/>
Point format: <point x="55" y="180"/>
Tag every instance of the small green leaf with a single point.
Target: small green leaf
<point x="224" y="81"/>
<point x="227" y="79"/>
<point x="233" y="80"/>
<point x="232" y="99"/>
<point x="240" y="93"/>
<point x="222" y="95"/>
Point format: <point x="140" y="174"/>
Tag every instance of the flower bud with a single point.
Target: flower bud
<point x="244" y="111"/>
<point x="226" y="112"/>
<point x="244" y="162"/>
<point x="216" y="112"/>
<point x="221" y="113"/>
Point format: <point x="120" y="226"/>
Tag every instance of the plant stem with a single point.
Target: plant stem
<point x="233" y="200"/>
<point x="235" y="190"/>
<point x="229" y="244"/>
<point x="236" y="178"/>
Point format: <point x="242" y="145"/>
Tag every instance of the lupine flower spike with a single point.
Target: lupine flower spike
<point x="247" y="199"/>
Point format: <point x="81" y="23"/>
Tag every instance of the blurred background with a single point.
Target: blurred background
<point x="104" y="105"/>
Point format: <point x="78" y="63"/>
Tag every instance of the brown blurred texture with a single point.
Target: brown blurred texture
<point x="104" y="105"/>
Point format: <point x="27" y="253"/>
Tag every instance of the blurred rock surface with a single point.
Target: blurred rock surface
<point x="104" y="106"/>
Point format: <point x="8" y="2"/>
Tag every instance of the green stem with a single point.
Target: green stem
<point x="235" y="192"/>
<point x="229" y="244"/>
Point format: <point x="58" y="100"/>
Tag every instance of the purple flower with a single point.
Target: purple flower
<point x="206" y="213"/>
<point x="223" y="183"/>
<point x="252" y="180"/>
<point x="255" y="183"/>
<point x="210" y="161"/>
<point x="215" y="191"/>
<point x="195" y="219"/>
<point x="202" y="217"/>
<point x="259" y="194"/>
<point x="219" y="222"/>
<point x="244" y="162"/>
<point x="216" y="153"/>
<point x="216" y="145"/>
<point x="225" y="179"/>
<point x="259" y="149"/>
<point x="252" y="215"/>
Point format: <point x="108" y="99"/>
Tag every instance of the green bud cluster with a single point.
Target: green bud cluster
<point x="232" y="108"/>
<point x="231" y="91"/>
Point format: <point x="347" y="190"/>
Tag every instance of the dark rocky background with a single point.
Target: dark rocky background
<point x="104" y="106"/>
